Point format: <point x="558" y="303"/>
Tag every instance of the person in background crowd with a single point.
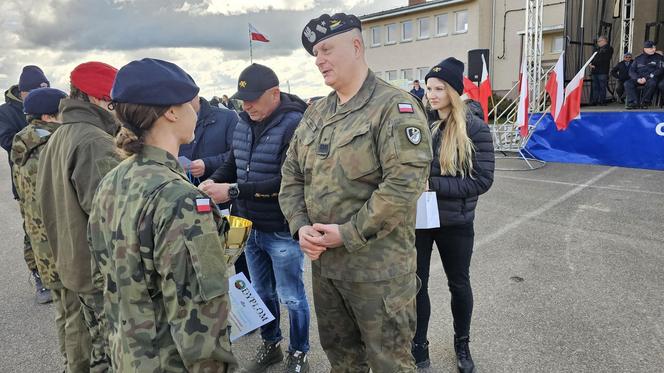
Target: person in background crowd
<point x="417" y="91"/>
<point x="600" y="71"/>
<point x="250" y="178"/>
<point x="462" y="169"/>
<point x="644" y="72"/>
<point x="210" y="149"/>
<point x="167" y="303"/>
<point x="214" y="102"/>
<point x="73" y="162"/>
<point x="12" y="120"/>
<point x="41" y="106"/>
<point x="621" y="72"/>
<point x="355" y="168"/>
<point x="227" y="103"/>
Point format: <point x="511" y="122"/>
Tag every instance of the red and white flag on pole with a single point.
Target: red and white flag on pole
<point x="555" y="86"/>
<point x="522" y="113"/>
<point x="485" y="90"/>
<point x="571" y="108"/>
<point x="257" y="36"/>
<point x="470" y="89"/>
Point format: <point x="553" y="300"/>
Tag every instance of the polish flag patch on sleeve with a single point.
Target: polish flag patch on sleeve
<point x="203" y="205"/>
<point x="406" y="108"/>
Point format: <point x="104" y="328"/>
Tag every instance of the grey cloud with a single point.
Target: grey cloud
<point x="79" y="25"/>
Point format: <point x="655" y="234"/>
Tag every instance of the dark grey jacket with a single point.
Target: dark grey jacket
<point x="457" y="196"/>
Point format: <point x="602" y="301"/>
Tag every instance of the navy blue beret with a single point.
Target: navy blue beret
<point x="43" y="101"/>
<point x="326" y="26"/>
<point x="32" y="77"/>
<point x="153" y="82"/>
<point x="648" y="44"/>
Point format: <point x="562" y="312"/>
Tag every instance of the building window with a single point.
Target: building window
<point x="461" y="22"/>
<point x="391" y="31"/>
<point x="375" y="36"/>
<point x="423" y="28"/>
<point x="391" y="75"/>
<point x="422" y="72"/>
<point x="557" y="44"/>
<point x="407" y="74"/>
<point x="441" y="25"/>
<point x="407" y="31"/>
<point x="378" y="74"/>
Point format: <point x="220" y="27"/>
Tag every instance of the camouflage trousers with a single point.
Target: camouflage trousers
<point x="366" y="325"/>
<point x="92" y="307"/>
<point x="73" y="336"/>
<point x="28" y="254"/>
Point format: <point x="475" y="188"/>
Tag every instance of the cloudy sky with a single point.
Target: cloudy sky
<point x="207" y="38"/>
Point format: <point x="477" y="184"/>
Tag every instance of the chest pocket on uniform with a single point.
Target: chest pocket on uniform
<point x="356" y="152"/>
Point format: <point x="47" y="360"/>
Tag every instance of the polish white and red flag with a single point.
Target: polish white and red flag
<point x="485" y="90"/>
<point x="256" y="35"/>
<point x="572" y="106"/>
<point x="522" y="112"/>
<point x="555" y="86"/>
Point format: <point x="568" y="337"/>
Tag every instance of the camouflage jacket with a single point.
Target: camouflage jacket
<point x="26" y="148"/>
<point x="361" y="165"/>
<point x="163" y="262"/>
<point x="73" y="162"/>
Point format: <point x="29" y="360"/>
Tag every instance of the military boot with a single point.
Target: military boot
<point x="42" y="294"/>
<point x="420" y="353"/>
<point x="464" y="360"/>
<point x="268" y="354"/>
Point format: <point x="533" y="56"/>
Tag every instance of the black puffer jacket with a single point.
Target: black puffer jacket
<point x="457" y="196"/>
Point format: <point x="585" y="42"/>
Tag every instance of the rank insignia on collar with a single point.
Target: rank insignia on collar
<point x="414" y="135"/>
<point x="203" y="205"/>
<point x="405" y="108"/>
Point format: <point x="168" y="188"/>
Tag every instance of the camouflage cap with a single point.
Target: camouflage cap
<point x="326" y="26"/>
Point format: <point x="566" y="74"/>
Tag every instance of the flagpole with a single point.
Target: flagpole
<point x="251" y="52"/>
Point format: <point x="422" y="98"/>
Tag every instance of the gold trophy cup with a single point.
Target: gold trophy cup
<point x="236" y="237"/>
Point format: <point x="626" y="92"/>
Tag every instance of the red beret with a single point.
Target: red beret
<point x="94" y="79"/>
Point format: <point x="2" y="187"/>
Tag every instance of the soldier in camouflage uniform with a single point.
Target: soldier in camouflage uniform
<point x="73" y="162"/>
<point x="356" y="165"/>
<point x="158" y="240"/>
<point x="41" y="105"/>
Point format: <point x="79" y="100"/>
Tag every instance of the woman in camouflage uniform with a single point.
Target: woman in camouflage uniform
<point x="157" y="239"/>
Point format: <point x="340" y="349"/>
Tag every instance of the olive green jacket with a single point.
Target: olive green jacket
<point x="72" y="164"/>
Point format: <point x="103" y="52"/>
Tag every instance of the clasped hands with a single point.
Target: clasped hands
<point x="314" y="240"/>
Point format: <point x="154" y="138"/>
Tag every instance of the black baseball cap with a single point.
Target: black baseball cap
<point x="254" y="81"/>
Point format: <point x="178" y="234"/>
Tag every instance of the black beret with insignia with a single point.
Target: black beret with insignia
<point x="327" y="26"/>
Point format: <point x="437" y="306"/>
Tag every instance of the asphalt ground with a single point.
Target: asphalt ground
<point x="567" y="273"/>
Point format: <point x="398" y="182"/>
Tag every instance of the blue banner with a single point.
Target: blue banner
<point x="625" y="139"/>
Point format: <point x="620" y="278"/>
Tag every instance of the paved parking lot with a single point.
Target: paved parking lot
<point x="568" y="276"/>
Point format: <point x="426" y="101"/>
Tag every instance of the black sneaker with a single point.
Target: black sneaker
<point x="420" y="353"/>
<point x="297" y="362"/>
<point x="631" y="106"/>
<point x="464" y="360"/>
<point x="268" y="354"/>
<point x="42" y="294"/>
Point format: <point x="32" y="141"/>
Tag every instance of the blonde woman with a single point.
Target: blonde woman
<point x="461" y="170"/>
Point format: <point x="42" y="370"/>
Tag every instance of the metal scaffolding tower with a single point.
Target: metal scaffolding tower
<point x="627" y="29"/>
<point x="533" y="54"/>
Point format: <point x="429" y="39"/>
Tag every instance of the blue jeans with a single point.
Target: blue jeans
<point x="276" y="265"/>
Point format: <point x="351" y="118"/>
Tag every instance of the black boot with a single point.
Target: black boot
<point x="464" y="360"/>
<point x="420" y="352"/>
<point x="42" y="294"/>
